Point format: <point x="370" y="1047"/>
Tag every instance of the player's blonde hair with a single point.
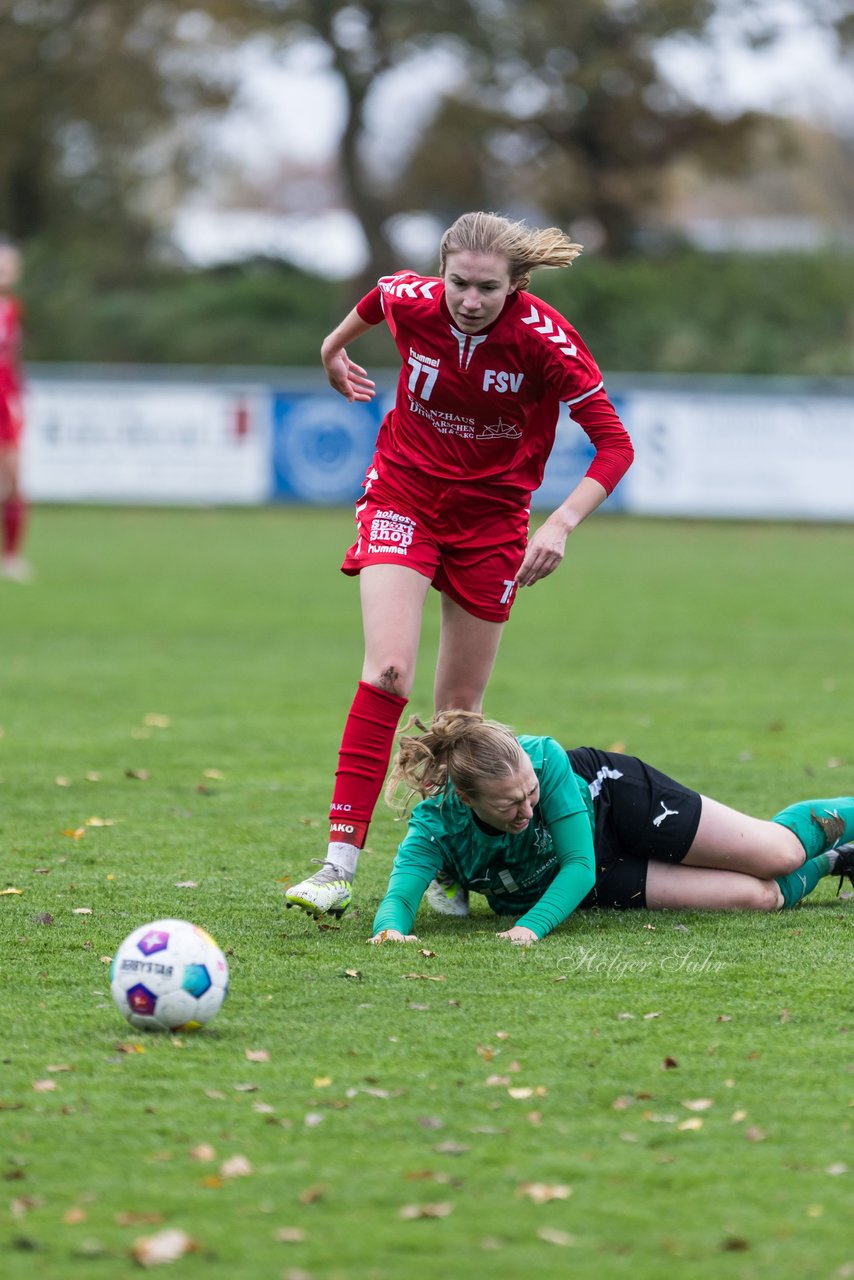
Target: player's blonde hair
<point x="525" y="248"/>
<point x="458" y="746"/>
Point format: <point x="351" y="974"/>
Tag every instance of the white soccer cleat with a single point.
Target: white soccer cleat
<point x="16" y="569"/>
<point x="327" y="892"/>
<point x="446" y="897"/>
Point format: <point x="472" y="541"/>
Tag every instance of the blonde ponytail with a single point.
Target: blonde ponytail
<point x="458" y="746"/>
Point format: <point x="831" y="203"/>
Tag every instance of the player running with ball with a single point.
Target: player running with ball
<point x="485" y="369"/>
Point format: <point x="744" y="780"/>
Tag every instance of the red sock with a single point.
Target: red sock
<point x="14" y="519"/>
<point x="362" y="762"/>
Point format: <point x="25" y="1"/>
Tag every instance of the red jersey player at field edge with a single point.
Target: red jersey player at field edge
<point x="12" y="507"/>
<point x="446" y="500"/>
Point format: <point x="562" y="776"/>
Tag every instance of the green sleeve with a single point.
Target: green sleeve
<point x="565" y="805"/>
<point x="574" y="845"/>
<point x="416" y="863"/>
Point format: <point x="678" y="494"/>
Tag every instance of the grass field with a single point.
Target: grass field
<point x="638" y="1095"/>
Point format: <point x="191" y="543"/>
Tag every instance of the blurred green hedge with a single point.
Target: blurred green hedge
<point x="683" y="312"/>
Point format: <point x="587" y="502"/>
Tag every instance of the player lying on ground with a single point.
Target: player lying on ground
<point x="486" y="367"/>
<point x="540" y="831"/>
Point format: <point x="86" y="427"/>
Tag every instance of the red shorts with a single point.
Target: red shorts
<point x="11" y="418"/>
<point x="468" y="542"/>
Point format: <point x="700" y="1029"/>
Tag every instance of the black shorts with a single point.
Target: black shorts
<point x="641" y="816"/>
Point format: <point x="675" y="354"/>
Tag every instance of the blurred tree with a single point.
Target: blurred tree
<point x="96" y="100"/>
<point x="550" y="109"/>
<point x="569" y="115"/>
<point x="369" y="41"/>
<point x="556" y="109"/>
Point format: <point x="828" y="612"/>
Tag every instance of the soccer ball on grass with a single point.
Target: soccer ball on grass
<point x="169" y="975"/>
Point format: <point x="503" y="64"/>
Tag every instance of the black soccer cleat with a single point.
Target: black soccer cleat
<point x="844" y="865"/>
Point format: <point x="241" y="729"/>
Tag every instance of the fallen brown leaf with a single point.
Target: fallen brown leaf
<point x="289" y="1235"/>
<point x="410" y="1212"/>
<point x="257" y="1055"/>
<point x="425" y="977"/>
<point x="22" y="1205"/>
<point x="552" y="1235"/>
<point x="312" y="1194"/>
<point x="235" y="1167"/>
<point x="203" y="1152"/>
<point x="44" y="1086"/>
<point x="543" y="1192"/>
<point x="166" y="1246"/>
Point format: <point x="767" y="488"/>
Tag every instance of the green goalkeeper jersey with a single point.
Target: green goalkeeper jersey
<point x="540" y="874"/>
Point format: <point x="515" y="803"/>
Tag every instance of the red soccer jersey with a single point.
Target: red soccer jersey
<point x="483" y="407"/>
<point x="10" y="345"/>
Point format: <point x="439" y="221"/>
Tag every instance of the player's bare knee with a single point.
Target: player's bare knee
<point x="762" y="895"/>
<point x="393" y="678"/>
<point x="792" y="858"/>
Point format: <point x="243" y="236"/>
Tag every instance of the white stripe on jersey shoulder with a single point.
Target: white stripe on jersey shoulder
<point x="408" y="284"/>
<point x="584" y="395"/>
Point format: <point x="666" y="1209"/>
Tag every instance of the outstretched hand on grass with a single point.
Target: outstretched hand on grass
<point x="521" y="936"/>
